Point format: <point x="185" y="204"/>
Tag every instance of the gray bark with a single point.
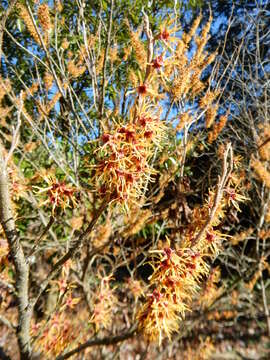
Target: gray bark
<point x="18" y="259"/>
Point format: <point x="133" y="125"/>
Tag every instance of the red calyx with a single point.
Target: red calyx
<point x="130" y="134"/>
<point x="105" y="138"/>
<point x="148" y="134"/>
<point x="156" y="295"/>
<point x="142" y="89"/>
<point x="129" y="178"/>
<point x="210" y="237"/>
<point x="164" y="35"/>
<point x="120" y="173"/>
<point x="158" y="62"/>
<point x="168" y="251"/>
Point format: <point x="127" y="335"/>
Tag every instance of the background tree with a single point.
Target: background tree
<point x="119" y="186"/>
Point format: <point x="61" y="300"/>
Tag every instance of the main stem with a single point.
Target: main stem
<point x="20" y="264"/>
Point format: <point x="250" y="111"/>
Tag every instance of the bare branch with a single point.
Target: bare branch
<point x="227" y="168"/>
<point x="110" y="340"/>
<point x="75" y="245"/>
<point x="102" y="96"/>
<point x="7" y="323"/>
<point x="16" y="133"/>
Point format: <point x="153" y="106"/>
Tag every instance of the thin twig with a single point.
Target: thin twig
<point x="102" y="98"/>
<point x="75" y="246"/>
<point x="220" y="187"/>
<point x="3" y="24"/>
<point x="110" y="340"/>
<point x="150" y="48"/>
<point x="16" y="133"/>
<point x="7" y="323"/>
<point x="38" y="240"/>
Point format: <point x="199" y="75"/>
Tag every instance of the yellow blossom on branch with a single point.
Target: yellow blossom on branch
<point x="58" y="194"/>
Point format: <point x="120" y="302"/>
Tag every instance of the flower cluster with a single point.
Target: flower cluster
<point x="242" y="236"/>
<point x="202" y="351"/>
<point x="175" y="278"/>
<point x="222" y="315"/>
<point x="217" y="128"/>
<point x="123" y="166"/>
<point x="18" y="188"/>
<point x="135" y="287"/>
<point x="178" y="272"/>
<point x="261" y="170"/>
<point x="211" y="291"/>
<point x="43" y="14"/>
<point x="58" y="194"/>
<point x="56" y="335"/>
<point x="258" y="274"/>
<point x="104" y="301"/>
<point x="25" y="16"/>
<point x="102" y="233"/>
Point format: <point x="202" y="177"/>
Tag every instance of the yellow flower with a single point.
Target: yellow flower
<point x="58" y="193"/>
<point x="104" y="300"/>
<point x="123" y="156"/>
